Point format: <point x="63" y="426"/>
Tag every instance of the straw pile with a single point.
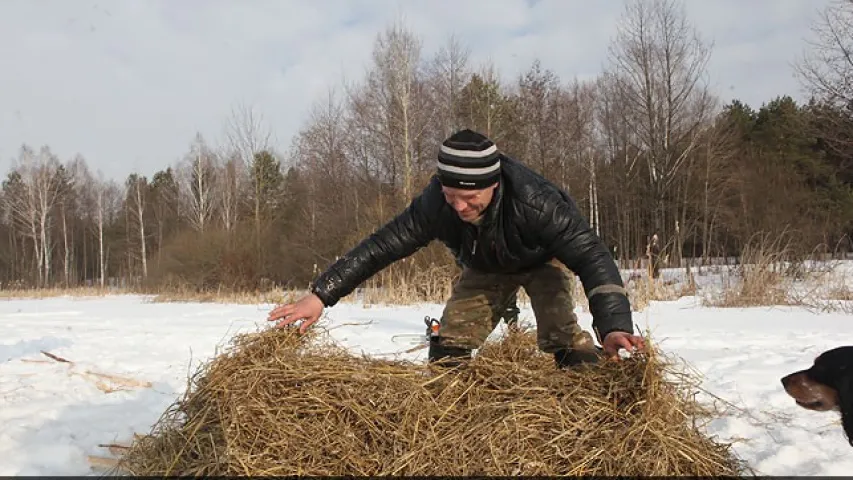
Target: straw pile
<point x="280" y="403"/>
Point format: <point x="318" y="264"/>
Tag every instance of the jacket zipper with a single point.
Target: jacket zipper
<point x="473" y="233"/>
<point x="478" y="230"/>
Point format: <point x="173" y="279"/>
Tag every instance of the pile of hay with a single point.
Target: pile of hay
<point x="280" y="403"/>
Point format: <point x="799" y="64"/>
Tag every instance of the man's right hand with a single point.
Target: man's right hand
<point x="308" y="308"/>
<point x="615" y="340"/>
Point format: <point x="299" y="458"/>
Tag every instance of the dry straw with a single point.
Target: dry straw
<point x="277" y="403"/>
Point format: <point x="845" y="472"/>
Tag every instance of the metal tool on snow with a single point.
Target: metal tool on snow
<point x="419" y="341"/>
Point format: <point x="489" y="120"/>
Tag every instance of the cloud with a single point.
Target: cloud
<point x="127" y="83"/>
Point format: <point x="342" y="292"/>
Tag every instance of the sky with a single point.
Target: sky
<point x="127" y="84"/>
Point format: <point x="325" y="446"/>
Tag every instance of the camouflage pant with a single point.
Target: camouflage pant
<point x="479" y="300"/>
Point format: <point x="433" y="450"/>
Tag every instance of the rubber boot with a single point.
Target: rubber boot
<point x="567" y="357"/>
<point x="446" y="355"/>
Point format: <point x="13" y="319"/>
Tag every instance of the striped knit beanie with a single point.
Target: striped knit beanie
<point x="468" y="160"/>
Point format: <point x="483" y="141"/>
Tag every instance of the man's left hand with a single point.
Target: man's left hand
<point x="616" y="340"/>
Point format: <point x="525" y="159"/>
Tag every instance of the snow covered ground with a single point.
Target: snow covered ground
<point x="54" y="413"/>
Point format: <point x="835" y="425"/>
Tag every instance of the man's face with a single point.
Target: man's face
<point x="469" y="204"/>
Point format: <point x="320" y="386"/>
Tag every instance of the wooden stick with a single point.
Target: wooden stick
<point x="116" y="449"/>
<point x="351" y="324"/>
<point x="102" y="462"/>
<point x="128" y="382"/>
<point x="54" y="357"/>
<point x="415" y="349"/>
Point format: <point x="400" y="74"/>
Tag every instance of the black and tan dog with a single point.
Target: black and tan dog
<point x="826" y="385"/>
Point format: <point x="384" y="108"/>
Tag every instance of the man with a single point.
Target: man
<point x="508" y="228"/>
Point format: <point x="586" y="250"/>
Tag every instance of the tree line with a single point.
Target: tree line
<point x="645" y="148"/>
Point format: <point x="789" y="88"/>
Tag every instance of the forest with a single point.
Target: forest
<point x="646" y="147"/>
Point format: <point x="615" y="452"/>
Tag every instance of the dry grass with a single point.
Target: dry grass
<point x="763" y="278"/>
<point x="645" y="290"/>
<point x="828" y="292"/>
<point x="272" y="296"/>
<point x="398" y="287"/>
<point x="771" y="274"/>
<point x="38" y="293"/>
<point x="277" y="403"/>
<point x="430" y="285"/>
<point x="840" y="292"/>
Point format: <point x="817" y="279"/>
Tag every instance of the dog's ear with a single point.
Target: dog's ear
<point x="845" y="404"/>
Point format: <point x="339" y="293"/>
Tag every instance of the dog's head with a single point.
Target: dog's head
<point x="826" y="385"/>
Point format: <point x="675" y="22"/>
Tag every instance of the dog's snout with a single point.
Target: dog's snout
<point x="825" y="385"/>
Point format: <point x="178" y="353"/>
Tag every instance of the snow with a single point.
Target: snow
<point x="54" y="414"/>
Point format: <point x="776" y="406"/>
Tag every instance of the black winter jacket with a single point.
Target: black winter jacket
<point x="529" y="222"/>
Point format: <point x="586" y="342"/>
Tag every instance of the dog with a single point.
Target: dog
<point x="826" y="385"/>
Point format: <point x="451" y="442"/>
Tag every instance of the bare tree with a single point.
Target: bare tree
<point x="83" y="187"/>
<point x="618" y="155"/>
<point x="826" y="69"/>
<point x="448" y="74"/>
<point x="196" y="179"/>
<point x="19" y="202"/>
<point x="574" y="119"/>
<point x="320" y="150"/>
<point x="659" y="61"/>
<point x="35" y="200"/>
<point x="136" y="195"/>
<point x="718" y="149"/>
<point x="101" y="196"/>
<point x="366" y="152"/>
<point x="247" y="137"/>
<point x="68" y="201"/>
<point x="230" y="184"/>
<point x="106" y="197"/>
<point x="826" y="72"/>
<point x="392" y="86"/>
<point x="538" y="90"/>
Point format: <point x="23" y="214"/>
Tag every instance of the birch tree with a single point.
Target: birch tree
<point x="106" y="197"/>
<point x="659" y="61"/>
<point x="196" y="180"/>
<point x="230" y="185"/>
<point x="137" y="201"/>
<point x="574" y="120"/>
<point x="389" y="109"/>
<point x="17" y="202"/>
<point x="66" y="203"/>
<point x="397" y="55"/>
<point x="35" y="201"/>
<point x="48" y="184"/>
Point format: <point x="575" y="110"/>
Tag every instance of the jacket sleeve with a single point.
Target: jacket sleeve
<point x="566" y="234"/>
<point x="402" y="236"/>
